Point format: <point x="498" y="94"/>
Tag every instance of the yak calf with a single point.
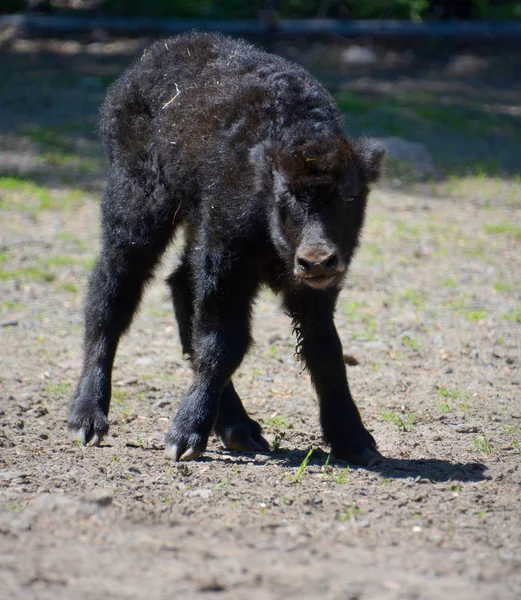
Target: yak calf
<point x="246" y="152"/>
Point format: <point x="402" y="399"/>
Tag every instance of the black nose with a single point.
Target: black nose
<point x="314" y="265"/>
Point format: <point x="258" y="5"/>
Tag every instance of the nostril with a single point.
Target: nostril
<point x="331" y="262"/>
<point x="304" y="263"/>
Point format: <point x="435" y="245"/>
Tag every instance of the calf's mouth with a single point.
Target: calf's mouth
<point x="320" y="281"/>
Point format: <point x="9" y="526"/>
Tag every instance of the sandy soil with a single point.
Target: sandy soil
<point x="430" y="315"/>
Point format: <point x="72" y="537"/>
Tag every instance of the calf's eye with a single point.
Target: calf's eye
<point x="350" y="198"/>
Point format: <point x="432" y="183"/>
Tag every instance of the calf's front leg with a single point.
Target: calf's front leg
<point x="321" y="349"/>
<point x="220" y="337"/>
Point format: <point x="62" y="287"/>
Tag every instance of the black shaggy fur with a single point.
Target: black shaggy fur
<point x="246" y="152"/>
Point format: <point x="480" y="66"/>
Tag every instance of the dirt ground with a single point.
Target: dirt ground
<point x="430" y="320"/>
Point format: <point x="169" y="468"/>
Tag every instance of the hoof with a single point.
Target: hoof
<point x="176" y="453"/>
<point x="365" y="458"/>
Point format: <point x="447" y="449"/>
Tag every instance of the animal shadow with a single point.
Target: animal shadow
<point x="426" y="469"/>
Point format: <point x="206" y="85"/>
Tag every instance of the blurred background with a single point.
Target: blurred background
<point x="440" y="88"/>
<point x="238" y="9"/>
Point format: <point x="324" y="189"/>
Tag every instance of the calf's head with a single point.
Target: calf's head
<point x="319" y="197"/>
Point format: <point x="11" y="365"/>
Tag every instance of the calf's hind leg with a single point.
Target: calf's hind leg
<point x="130" y="250"/>
<point x="233" y="425"/>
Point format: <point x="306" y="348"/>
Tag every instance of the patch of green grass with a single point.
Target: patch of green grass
<point x="354" y="103"/>
<point x="517" y="447"/>
<point x="7" y="305"/>
<point x="353" y="308"/>
<point x="277" y="441"/>
<point x="461" y="308"/>
<point x="58" y="389"/>
<point x="84" y="165"/>
<point x="60" y="260"/>
<point x="89" y="263"/>
<point x="482" y="445"/>
<point x="70" y="287"/>
<point x="71" y="239"/>
<point x="513" y="316"/>
<point x="279" y="422"/>
<point x="326" y="468"/>
<point x="445" y="407"/>
<point x="16" y="193"/>
<point x="373" y="252"/>
<point x="412" y="343"/>
<point x="508" y="229"/>
<point x="402" y="422"/>
<point x="454" y="488"/>
<point x="417" y="299"/>
<point x="301" y="470"/>
<point x="15" y="190"/>
<point x="48" y="137"/>
<point x="32" y="273"/>
<point x="450" y="283"/>
<point x="444" y="392"/>
<point x="479" y="249"/>
<point x="406" y="229"/>
<point x="501" y="286"/>
<point x="359" y="311"/>
<point x="512" y="430"/>
<point x="350" y="513"/>
<point x="342" y="476"/>
<point x="475" y="315"/>
<point x="119" y="396"/>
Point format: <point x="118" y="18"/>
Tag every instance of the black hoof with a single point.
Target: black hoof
<point x="356" y="447"/>
<point x="365" y="458"/>
<point x="89" y="426"/>
<point x="184" y="445"/>
<point x="244" y="437"/>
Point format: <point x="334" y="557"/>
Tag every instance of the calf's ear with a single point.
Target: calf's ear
<point x="371" y="153"/>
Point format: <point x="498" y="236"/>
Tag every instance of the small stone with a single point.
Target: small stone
<point x="101" y="496"/>
<point x="144" y="360"/>
<point x="37" y="412"/>
<point x="24" y="406"/>
<point x="464" y="428"/>
<point x="161" y="403"/>
<point x="359" y="55"/>
<point x="203" y="493"/>
<point x="466" y="65"/>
